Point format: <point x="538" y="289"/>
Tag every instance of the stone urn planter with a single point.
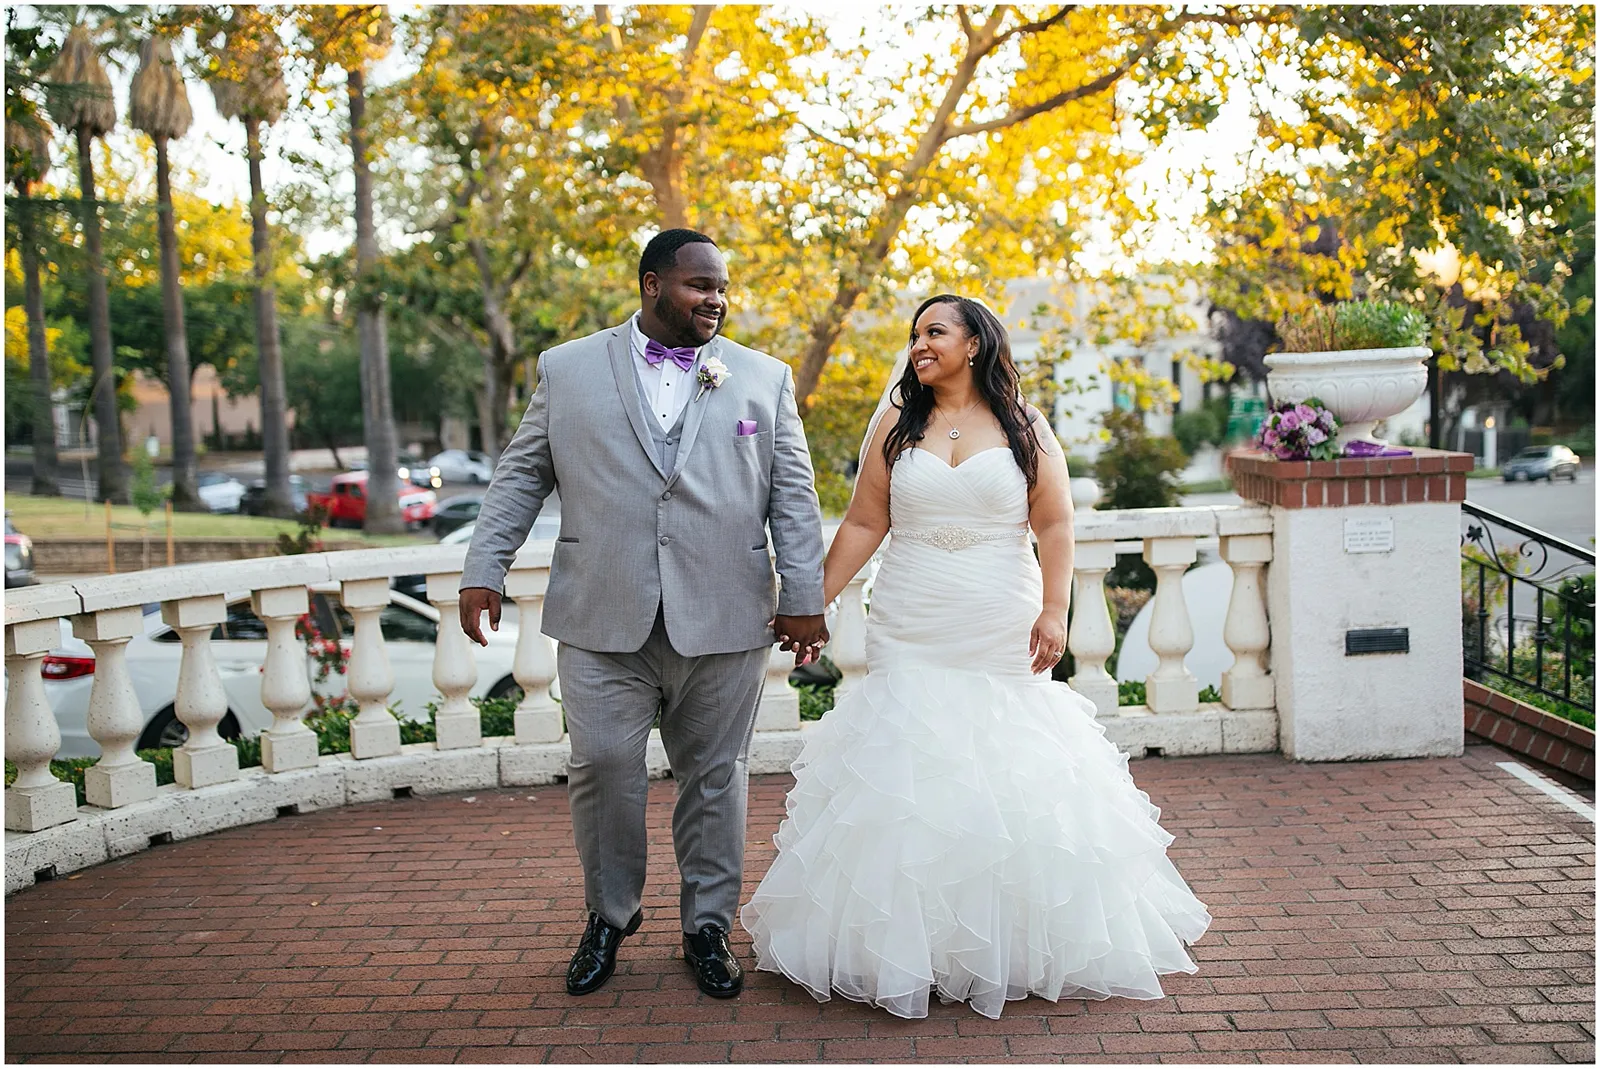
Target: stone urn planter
<point x="1359" y="386"/>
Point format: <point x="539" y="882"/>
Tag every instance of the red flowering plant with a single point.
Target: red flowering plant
<point x="330" y="657"/>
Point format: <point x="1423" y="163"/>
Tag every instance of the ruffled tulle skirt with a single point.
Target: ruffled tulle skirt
<point x="974" y="835"/>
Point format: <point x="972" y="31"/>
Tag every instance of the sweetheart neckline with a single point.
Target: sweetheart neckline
<point x="954" y="467"/>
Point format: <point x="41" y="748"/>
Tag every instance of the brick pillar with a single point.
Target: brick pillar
<point x="1364" y="550"/>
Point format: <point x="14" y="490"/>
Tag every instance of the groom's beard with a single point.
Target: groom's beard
<point x="686" y="330"/>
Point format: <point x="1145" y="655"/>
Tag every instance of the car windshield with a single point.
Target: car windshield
<point x="1536" y="453"/>
<point x="212" y="478"/>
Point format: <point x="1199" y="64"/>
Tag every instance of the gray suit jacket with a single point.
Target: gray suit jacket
<point x="692" y="540"/>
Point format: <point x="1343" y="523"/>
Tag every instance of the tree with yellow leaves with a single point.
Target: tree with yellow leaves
<point x="1442" y="156"/>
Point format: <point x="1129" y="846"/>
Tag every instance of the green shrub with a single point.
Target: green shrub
<point x="815" y="700"/>
<point x="1137" y="471"/>
<point x="1197" y="427"/>
<point x="1133" y="693"/>
<point x="1352" y="325"/>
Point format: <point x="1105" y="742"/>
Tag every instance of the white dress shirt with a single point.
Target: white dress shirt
<point x="667" y="387"/>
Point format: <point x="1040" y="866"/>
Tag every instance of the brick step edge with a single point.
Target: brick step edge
<point x="1545" y="740"/>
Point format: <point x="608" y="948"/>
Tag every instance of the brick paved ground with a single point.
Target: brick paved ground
<point x="1407" y="911"/>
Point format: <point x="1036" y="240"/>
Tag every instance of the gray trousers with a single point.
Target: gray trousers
<point x="707" y="706"/>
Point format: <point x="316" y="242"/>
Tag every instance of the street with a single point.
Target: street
<point x="1563" y="509"/>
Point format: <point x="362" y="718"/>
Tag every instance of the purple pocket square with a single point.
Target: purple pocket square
<point x="746" y="428"/>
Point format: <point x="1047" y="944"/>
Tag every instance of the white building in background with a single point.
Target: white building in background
<point x="1067" y="321"/>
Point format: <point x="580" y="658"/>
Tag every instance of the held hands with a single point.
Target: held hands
<point x="474" y="600"/>
<point x="805" y="635"/>
<point x="1047" y="644"/>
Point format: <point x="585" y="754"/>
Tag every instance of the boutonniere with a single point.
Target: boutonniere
<point x="712" y="373"/>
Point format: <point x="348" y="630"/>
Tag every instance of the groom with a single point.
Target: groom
<point x="675" y="451"/>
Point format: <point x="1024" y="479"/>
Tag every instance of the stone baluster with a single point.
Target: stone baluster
<point x="1171" y="688"/>
<point x="780" y="703"/>
<point x="533" y="665"/>
<point x="847" y="642"/>
<point x="457" y="723"/>
<point x="374" y="732"/>
<point x="37" y="800"/>
<point x="1248" y="684"/>
<point x="1092" y="637"/>
<point x="204" y="758"/>
<point x="120" y="777"/>
<point x="288" y="744"/>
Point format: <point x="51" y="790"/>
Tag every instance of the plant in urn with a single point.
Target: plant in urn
<point x="1363" y="359"/>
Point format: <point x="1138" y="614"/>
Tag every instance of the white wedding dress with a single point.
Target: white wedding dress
<point x="959" y="824"/>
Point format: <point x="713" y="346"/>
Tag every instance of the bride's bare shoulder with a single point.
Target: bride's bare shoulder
<point x="1043" y="432"/>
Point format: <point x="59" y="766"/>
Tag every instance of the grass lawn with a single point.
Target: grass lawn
<point x="57" y="517"/>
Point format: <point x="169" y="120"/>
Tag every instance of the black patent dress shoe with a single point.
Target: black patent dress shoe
<point x="716" y="970"/>
<point x="596" y="957"/>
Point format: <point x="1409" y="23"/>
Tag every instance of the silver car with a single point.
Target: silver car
<point x="463" y="466"/>
<point x="1547" y="462"/>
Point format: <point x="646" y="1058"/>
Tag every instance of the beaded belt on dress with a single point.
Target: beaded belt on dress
<point x="957" y="537"/>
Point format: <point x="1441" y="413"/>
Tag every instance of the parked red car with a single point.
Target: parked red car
<point x="346" y="501"/>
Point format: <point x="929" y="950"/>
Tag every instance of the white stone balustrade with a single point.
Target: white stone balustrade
<point x="533" y="664"/>
<point x="1173" y="719"/>
<point x="204" y="758"/>
<point x="106" y="612"/>
<point x="285" y="689"/>
<point x="456" y="723"/>
<point x="370" y="676"/>
<point x="1171" y="688"/>
<point x="37" y="800"/>
<point x="121" y="776"/>
<point x="1091" y="636"/>
<point x="847" y="633"/>
<point x="1248" y="683"/>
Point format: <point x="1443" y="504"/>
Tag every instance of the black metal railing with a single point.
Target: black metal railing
<point x="1527" y="611"/>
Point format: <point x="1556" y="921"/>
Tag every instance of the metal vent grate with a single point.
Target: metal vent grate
<point x="1377" y="640"/>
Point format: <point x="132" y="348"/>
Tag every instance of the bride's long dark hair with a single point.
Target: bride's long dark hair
<point x="993" y="372"/>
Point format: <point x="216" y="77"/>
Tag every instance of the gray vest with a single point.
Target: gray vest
<point x="665" y="440"/>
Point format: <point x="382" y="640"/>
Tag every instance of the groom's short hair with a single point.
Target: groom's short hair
<point x="661" y="254"/>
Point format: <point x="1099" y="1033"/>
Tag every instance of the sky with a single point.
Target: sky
<point x="214" y="147"/>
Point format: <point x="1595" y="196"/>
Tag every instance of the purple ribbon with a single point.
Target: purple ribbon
<point x="1360" y="448"/>
<point x="655" y="352"/>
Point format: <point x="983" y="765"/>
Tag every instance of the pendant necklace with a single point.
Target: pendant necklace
<point x="955" y="432"/>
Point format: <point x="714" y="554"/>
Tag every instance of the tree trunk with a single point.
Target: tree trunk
<point x="46" y="482"/>
<point x="269" y="351"/>
<point x="377" y="406"/>
<point x="500" y="360"/>
<point x="113" y="474"/>
<point x="185" y="492"/>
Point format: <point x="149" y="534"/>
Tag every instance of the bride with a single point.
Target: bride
<point x="958" y="822"/>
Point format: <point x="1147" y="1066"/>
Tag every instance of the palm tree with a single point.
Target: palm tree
<point x="352" y="37"/>
<point x="159" y="106"/>
<point x="81" y="102"/>
<point x="27" y="169"/>
<point x="249" y="86"/>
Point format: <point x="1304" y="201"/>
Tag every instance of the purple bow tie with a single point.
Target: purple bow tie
<point x="655" y="352"/>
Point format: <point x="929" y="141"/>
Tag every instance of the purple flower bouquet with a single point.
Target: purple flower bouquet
<point x="1301" y="430"/>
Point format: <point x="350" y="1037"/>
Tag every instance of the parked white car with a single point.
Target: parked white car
<point x="239" y="646"/>
<point x="544" y="527"/>
<point x="463" y="466"/>
<point x="220" y="491"/>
